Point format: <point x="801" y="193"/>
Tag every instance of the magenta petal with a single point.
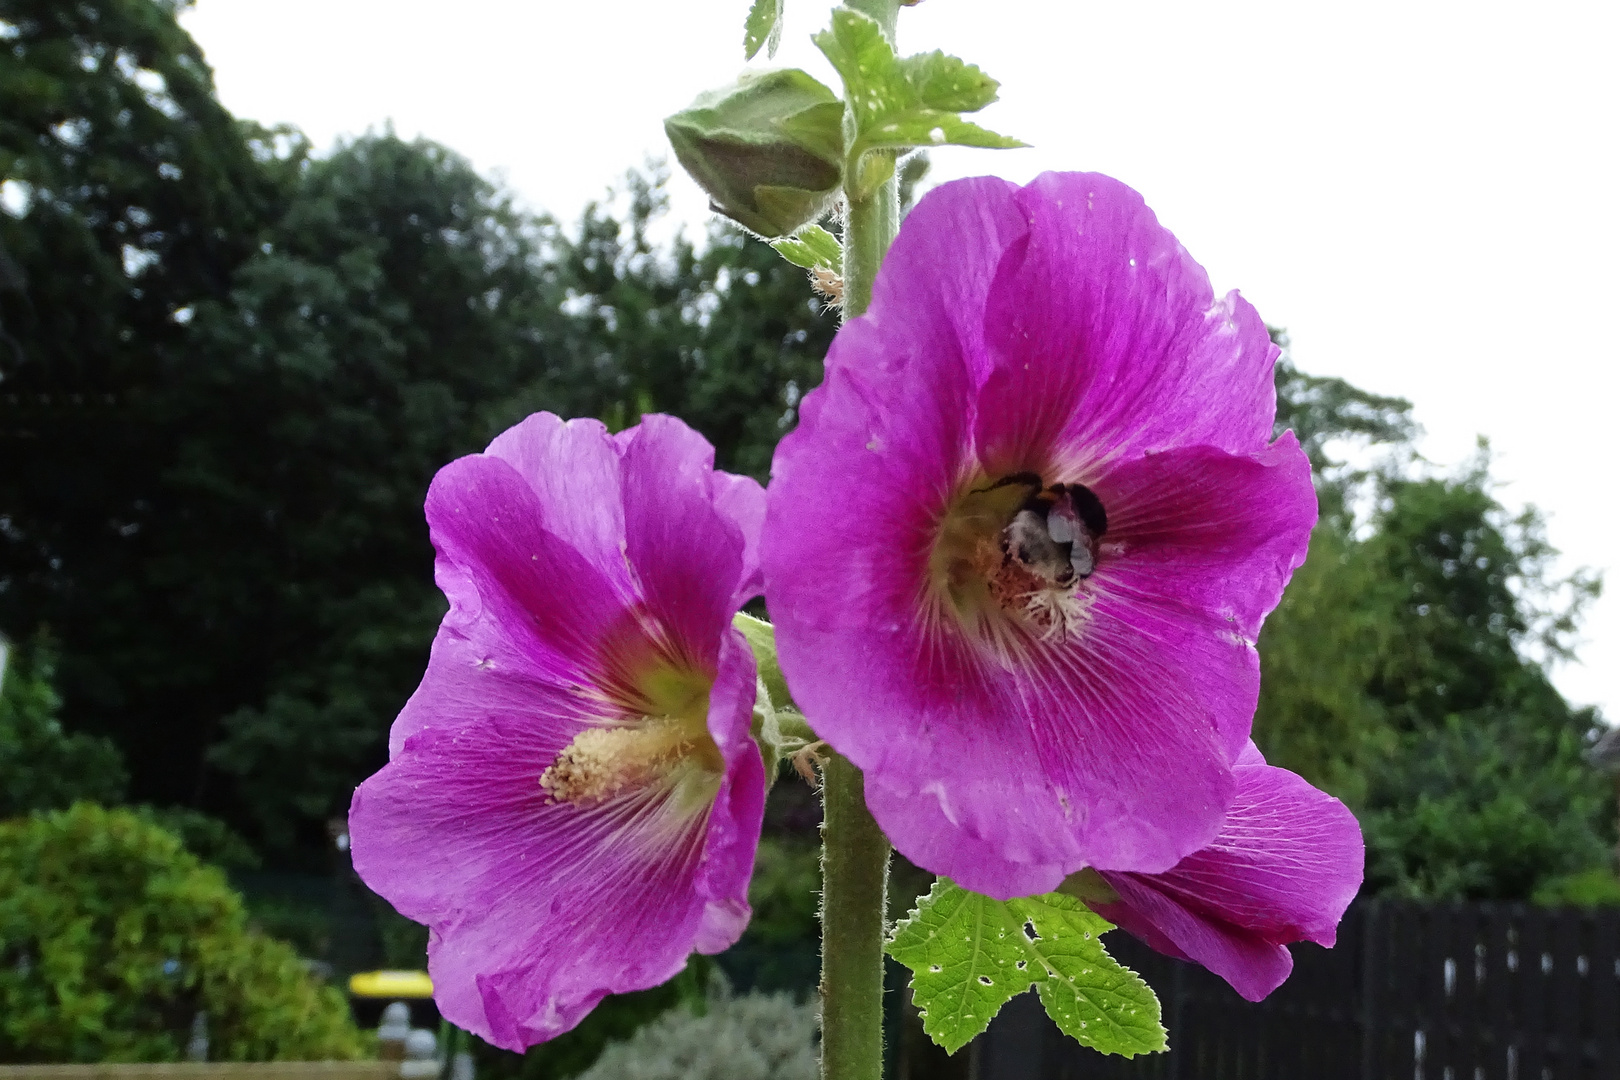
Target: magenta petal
<point x="1286" y="864"/>
<point x="1211" y="532"/>
<point x="1199" y="547"/>
<point x="573" y="468"/>
<point x="929" y="298"/>
<point x="741" y="500"/>
<point x="914" y="358"/>
<point x="522" y="599"/>
<point x="688" y="558"/>
<point x="1108" y="342"/>
<point x="539" y="909"/>
<point x="722" y="877"/>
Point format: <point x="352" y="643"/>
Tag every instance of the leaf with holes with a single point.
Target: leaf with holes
<point x="966" y="959"/>
<point x="1087" y="993"/>
<point x="763" y="28"/>
<point x="969" y="955"/>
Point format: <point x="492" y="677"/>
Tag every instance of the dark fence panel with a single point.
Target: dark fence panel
<point x="1411" y="992"/>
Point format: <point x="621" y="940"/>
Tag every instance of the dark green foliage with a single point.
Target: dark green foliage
<point x="728" y="339"/>
<point x="112" y="938"/>
<point x="1488" y="804"/>
<point x="388" y="326"/>
<point x="43" y="767"/>
<point x="781" y="949"/>
<point x="208" y="838"/>
<point x="142" y="197"/>
<point x="1598" y="887"/>
<point x="1485" y="793"/>
<point x="1406" y="668"/>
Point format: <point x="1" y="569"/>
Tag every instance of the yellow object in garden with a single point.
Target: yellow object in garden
<point x="391" y="984"/>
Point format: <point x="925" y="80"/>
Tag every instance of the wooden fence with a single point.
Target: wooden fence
<point x="1412" y="992"/>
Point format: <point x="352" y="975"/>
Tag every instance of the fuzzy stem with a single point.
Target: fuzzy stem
<point x="872" y="222"/>
<point x="870" y="227"/>
<point x="854" y="883"/>
<point x="854" y="851"/>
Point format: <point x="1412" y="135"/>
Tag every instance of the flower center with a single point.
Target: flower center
<point x="1015" y="551"/>
<point x="602" y="762"/>
<point x="667" y="744"/>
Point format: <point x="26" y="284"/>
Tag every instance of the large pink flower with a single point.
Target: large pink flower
<point x="1020" y="546"/>
<point x="1286" y="864"/>
<point x="572" y="801"/>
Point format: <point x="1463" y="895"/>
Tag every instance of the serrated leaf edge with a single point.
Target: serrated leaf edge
<point x="1049" y="975"/>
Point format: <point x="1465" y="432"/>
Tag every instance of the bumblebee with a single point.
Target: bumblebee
<point x="1056" y="532"/>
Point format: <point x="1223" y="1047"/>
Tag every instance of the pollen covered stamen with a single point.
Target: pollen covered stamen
<point x="603" y="761"/>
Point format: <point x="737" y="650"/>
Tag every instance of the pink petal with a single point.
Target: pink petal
<point x="1286" y="864"/>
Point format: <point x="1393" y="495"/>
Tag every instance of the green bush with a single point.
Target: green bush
<point x="113" y="937"/>
<point x="753" y="1037"/>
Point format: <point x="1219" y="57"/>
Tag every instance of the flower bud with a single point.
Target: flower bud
<point x="769" y="151"/>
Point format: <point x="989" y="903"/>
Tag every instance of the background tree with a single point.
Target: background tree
<point x="1406" y="669"/>
<point x="132" y="196"/>
<point x="397" y="316"/>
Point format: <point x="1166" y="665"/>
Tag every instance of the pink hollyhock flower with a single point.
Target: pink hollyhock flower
<point x="572" y="800"/>
<point x="1286" y="864"/>
<point x="1020" y="546"/>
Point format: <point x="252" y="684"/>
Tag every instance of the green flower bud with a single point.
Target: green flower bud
<point x="769" y="151"/>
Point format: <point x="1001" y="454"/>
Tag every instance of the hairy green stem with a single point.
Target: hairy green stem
<point x="872" y="222"/>
<point x="854" y="884"/>
<point x="870" y="226"/>
<point x="854" y="851"/>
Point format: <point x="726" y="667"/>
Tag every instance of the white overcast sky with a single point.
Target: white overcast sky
<point x="1423" y="192"/>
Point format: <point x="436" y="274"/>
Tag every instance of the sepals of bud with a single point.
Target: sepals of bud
<point x="768" y="151"/>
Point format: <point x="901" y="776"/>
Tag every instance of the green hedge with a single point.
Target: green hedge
<point x="113" y="937"/>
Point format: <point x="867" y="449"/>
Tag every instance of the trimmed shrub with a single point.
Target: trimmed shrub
<point x="113" y="938"/>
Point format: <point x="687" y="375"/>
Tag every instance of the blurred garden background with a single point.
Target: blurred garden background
<point x="230" y="363"/>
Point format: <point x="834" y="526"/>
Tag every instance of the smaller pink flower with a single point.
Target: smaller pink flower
<point x="572" y="801"/>
<point x="1286" y="864"/>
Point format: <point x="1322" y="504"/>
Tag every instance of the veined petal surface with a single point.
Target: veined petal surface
<point x="1286" y="864"/>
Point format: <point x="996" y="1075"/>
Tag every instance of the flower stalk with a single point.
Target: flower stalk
<point x="871" y="222"/>
<point x="854" y="885"/>
<point x="854" y="851"/>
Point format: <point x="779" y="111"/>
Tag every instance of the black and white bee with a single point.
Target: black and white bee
<point x="1055" y="534"/>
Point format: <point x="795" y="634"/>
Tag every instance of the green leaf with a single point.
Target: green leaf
<point x="763" y="28"/>
<point x="898" y="104"/>
<point x="967" y="959"/>
<point x="970" y="954"/>
<point x="944" y="82"/>
<point x="1090" y="995"/>
<point x="813" y="247"/>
